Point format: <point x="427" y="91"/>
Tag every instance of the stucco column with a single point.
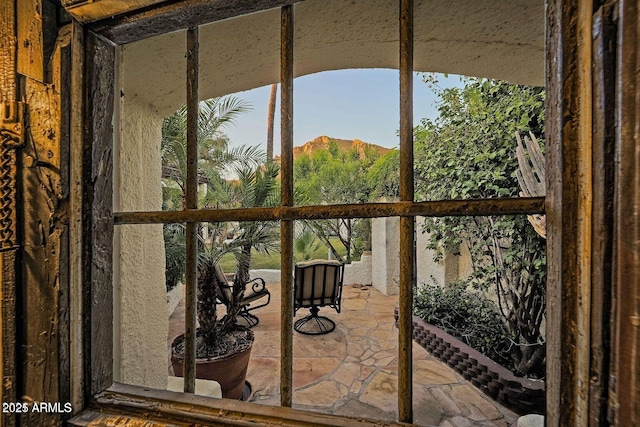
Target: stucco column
<point x="385" y="244"/>
<point x="140" y="306"/>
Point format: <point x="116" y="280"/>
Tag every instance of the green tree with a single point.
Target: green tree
<point x="384" y="177"/>
<point x="255" y="187"/>
<point x="334" y="176"/>
<point x="469" y="152"/>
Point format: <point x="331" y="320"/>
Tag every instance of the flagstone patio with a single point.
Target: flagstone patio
<point x="353" y="370"/>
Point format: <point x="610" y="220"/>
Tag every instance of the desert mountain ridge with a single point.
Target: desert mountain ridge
<point x="322" y="142"/>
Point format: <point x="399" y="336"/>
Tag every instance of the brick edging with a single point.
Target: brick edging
<point x="522" y="395"/>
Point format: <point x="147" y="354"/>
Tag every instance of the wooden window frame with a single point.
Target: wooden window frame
<point x="568" y="92"/>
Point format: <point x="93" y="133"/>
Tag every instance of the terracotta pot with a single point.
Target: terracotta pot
<point x="229" y="371"/>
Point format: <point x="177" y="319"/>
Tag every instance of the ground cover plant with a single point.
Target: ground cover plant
<point x="468" y="316"/>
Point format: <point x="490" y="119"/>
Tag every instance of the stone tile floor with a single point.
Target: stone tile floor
<point x="353" y="370"/>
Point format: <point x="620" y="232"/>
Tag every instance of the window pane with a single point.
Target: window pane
<point x="469" y="149"/>
<point x="481" y="284"/>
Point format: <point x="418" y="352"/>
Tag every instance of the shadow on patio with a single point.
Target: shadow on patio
<point x="353" y="370"/>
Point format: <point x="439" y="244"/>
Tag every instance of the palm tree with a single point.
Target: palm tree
<point x="256" y="186"/>
<point x="270" y="120"/>
<point x="214" y="155"/>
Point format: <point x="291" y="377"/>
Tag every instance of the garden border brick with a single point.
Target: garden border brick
<point x="522" y="395"/>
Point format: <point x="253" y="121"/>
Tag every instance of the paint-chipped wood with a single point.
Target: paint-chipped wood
<point x="8" y="267"/>
<point x="286" y="194"/>
<point x="178" y="409"/>
<point x="8" y="48"/>
<point x="407" y="223"/>
<point x="553" y="206"/>
<point x="36" y="33"/>
<point x="91" y="10"/>
<point x="178" y="15"/>
<point x="75" y="215"/>
<point x="568" y="157"/>
<point x="43" y="341"/>
<point x="98" y="216"/>
<point x="191" y="235"/>
<point x="8" y="262"/>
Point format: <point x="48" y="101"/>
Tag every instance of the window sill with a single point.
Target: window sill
<point x="125" y="405"/>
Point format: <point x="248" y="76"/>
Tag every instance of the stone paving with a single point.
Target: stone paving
<point x="353" y="370"/>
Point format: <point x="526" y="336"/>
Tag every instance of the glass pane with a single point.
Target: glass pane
<point x="351" y="369"/>
<point x="469" y="149"/>
<point x="481" y="293"/>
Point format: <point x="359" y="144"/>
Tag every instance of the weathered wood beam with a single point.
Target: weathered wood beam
<point x="75" y="213"/>
<point x="8" y="260"/>
<point x="286" y="194"/>
<point x="172" y="408"/>
<point x="473" y="207"/>
<point x="97" y="198"/>
<point x="85" y="11"/>
<point x="44" y="339"/>
<point x="36" y="34"/>
<point x="178" y="15"/>
<point x="568" y="210"/>
<point x="191" y="237"/>
<point x="407" y="223"/>
<point x="604" y="69"/>
<point x="626" y="352"/>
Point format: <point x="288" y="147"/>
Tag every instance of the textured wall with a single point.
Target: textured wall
<point x="140" y="310"/>
<point x="385" y="270"/>
<point x="486" y="38"/>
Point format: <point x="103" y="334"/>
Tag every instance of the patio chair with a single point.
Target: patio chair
<point x="255" y="296"/>
<point x="317" y="283"/>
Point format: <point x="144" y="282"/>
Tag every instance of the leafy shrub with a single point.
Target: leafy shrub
<point x="466" y="315"/>
<point x="175" y="255"/>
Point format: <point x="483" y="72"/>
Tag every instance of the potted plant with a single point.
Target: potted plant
<point x="223" y="346"/>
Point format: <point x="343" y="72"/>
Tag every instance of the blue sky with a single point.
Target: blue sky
<point x="346" y="104"/>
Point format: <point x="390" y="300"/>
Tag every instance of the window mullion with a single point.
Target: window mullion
<point x="191" y="203"/>
<point x="407" y="223"/>
<point x="286" y="226"/>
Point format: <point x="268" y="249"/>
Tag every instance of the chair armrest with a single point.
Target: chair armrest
<point x="257" y="291"/>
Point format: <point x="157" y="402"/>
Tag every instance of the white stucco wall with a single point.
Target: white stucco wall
<point x="359" y="272"/>
<point x="385" y="270"/>
<point x="140" y="300"/>
<point x="428" y="270"/>
<point x="488" y="38"/>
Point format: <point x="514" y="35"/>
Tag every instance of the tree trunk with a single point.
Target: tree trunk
<point x="270" y="119"/>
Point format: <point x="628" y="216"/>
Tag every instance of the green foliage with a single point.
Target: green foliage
<point x="332" y="176"/>
<point x="469" y="152"/>
<point x="174" y="254"/>
<point x="384" y="176"/>
<point x="466" y="315"/>
<point x="305" y="244"/>
<point x="256" y="186"/>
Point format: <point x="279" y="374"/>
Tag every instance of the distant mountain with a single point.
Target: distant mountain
<point x="322" y="143"/>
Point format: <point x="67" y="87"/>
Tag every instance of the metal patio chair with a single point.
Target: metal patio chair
<point x="256" y="295"/>
<point x="317" y="283"/>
